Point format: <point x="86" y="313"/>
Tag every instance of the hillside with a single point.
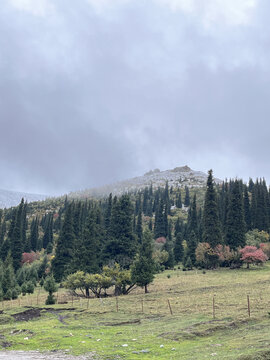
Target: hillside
<point x="177" y="178"/>
<point x="13" y="198"/>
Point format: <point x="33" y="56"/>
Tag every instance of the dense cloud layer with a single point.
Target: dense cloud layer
<point x="95" y="91"/>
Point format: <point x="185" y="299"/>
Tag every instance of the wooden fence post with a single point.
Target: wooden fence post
<point x="170" y="307"/>
<point x="248" y="303"/>
<point x="142" y="306"/>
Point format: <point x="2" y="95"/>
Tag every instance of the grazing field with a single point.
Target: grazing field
<point x="186" y="315"/>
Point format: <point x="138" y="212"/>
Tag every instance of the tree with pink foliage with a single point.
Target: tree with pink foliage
<point x="253" y="255"/>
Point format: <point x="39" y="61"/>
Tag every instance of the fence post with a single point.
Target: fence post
<point x="248" y="303"/>
<point x="170" y="307"/>
<point x="142" y="306"/>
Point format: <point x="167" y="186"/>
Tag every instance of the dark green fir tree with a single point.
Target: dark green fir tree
<point x="211" y="223"/>
<point x="143" y="268"/>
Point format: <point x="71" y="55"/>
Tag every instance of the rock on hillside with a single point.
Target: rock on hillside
<point x="177" y="177"/>
<point x="13" y="198"/>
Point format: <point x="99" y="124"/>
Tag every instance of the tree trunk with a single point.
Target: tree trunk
<point x="145" y="289"/>
<point x="87" y="292"/>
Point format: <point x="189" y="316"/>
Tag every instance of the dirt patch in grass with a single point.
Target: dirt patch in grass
<point x="27" y="315"/>
<point x="202" y="329"/>
<point x="61" y="318"/>
<point x="261" y="355"/>
<point x="136" y="321"/>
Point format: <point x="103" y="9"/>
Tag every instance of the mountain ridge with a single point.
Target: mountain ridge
<point x="9" y="198"/>
<point x="178" y="177"/>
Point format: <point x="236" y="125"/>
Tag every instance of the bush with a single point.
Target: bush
<point x="51" y="287"/>
<point x="206" y="257"/>
<point x="50" y="300"/>
<point x="8" y="295"/>
<point x="24" y="289"/>
<point x="253" y="255"/>
<point x="30" y="287"/>
<point x="14" y="293"/>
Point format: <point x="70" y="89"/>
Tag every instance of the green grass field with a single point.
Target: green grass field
<point x="144" y="328"/>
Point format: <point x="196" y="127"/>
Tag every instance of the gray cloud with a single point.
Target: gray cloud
<point x="90" y="95"/>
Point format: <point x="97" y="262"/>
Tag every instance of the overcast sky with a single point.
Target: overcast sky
<point x="95" y="91"/>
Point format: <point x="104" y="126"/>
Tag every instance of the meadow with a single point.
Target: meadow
<point x="186" y="315"/>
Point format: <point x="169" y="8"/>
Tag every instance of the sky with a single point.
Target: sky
<point x="96" y="91"/>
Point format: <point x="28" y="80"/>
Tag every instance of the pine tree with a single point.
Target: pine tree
<point x="108" y="212"/>
<point x="187" y="197"/>
<point x="143" y="268"/>
<point x="87" y="249"/>
<point x="48" y="231"/>
<point x="192" y="223"/>
<point x="247" y="213"/>
<point x="235" y="227"/>
<point x="16" y="238"/>
<point x="9" y="280"/>
<point x="34" y="234"/>
<point x="191" y="247"/>
<point x="179" y="200"/>
<point x="159" y="221"/>
<point x="178" y="248"/>
<point x="64" y="248"/>
<point x="139" y="229"/>
<point x="211" y="223"/>
<point x="150" y="225"/>
<point x="122" y="244"/>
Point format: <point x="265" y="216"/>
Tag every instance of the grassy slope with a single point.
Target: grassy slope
<point x="191" y="333"/>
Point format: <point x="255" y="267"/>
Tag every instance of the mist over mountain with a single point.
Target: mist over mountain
<point x="178" y="177"/>
<point x="12" y="198"/>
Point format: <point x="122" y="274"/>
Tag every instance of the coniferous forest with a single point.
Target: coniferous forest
<point x="122" y="241"/>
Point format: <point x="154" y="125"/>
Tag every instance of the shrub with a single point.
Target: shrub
<point x="253" y="255"/>
<point x="265" y="248"/>
<point x="206" y="257"/>
<point x="255" y="237"/>
<point x="8" y="295"/>
<point x="24" y="289"/>
<point x="30" y="287"/>
<point x="227" y="257"/>
<point x="51" y="287"/>
<point x="29" y="257"/>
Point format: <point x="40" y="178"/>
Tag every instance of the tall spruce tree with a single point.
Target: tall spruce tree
<point x="48" y="231"/>
<point x="122" y="244"/>
<point x="143" y="268"/>
<point x="192" y="224"/>
<point x="187" y="197"/>
<point x="65" y="245"/>
<point x="178" y="248"/>
<point x="192" y="244"/>
<point x="247" y="213"/>
<point x="34" y="234"/>
<point x="211" y="223"/>
<point x="235" y="226"/>
<point x="87" y="249"/>
<point x="16" y="238"/>
<point x="159" y="221"/>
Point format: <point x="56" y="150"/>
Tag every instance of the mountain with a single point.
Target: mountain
<point x="178" y="177"/>
<point x="13" y="198"/>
